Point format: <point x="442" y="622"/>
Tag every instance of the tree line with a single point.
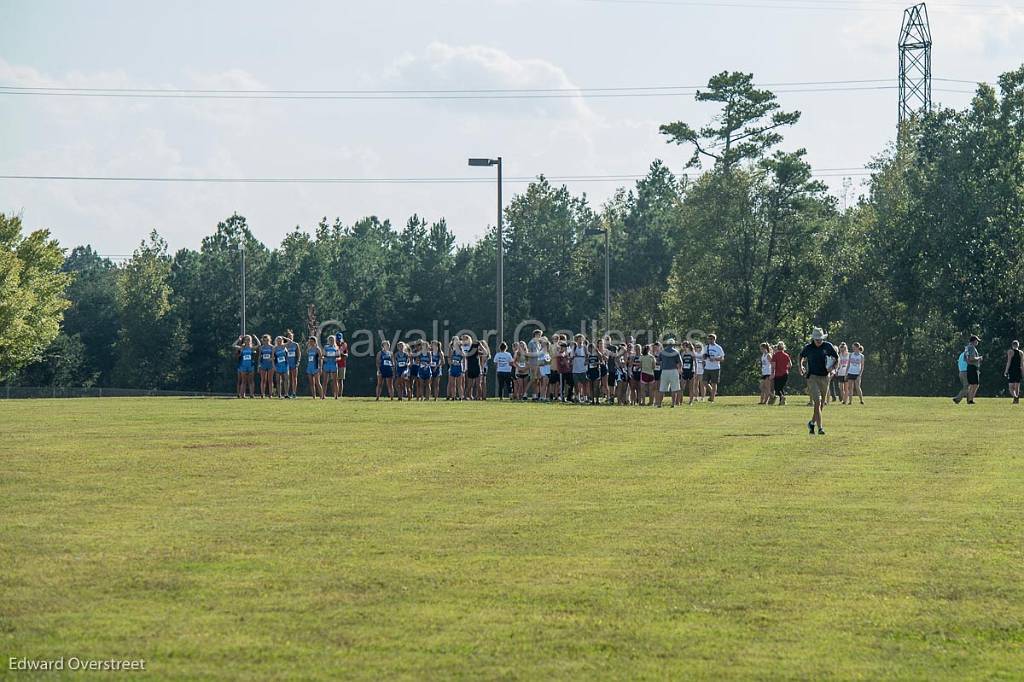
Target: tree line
<point x="753" y="248"/>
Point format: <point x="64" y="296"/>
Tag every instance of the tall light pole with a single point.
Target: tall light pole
<point x="241" y="248"/>
<point x="501" y="254"/>
<point x="593" y="232"/>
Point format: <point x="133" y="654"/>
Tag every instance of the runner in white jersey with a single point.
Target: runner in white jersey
<point x="766" y="373"/>
<point x="714" y="356"/>
<point x="842" y="369"/>
<point x="545" y="367"/>
<point x="855" y="373"/>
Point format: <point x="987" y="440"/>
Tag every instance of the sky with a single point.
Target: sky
<point x="421" y="45"/>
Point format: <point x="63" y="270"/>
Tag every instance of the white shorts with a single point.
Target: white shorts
<point x="670" y="381"/>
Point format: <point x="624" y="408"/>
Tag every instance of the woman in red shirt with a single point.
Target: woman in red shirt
<point x="781" y="362"/>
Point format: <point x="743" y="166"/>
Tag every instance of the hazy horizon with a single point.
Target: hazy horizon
<point x="458" y="44"/>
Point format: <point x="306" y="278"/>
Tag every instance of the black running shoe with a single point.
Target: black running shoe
<point x="810" y="427"/>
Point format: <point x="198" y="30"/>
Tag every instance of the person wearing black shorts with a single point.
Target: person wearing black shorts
<point x="973" y="368"/>
<point x="688" y="362"/>
<point x="472" y="369"/>
<point x="593" y="373"/>
<point x="1013" y="371"/>
<point x="611" y="353"/>
<point x="602" y="382"/>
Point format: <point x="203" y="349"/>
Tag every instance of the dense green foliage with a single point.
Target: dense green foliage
<point x="754" y="249"/>
<point x="31" y="295"/>
<point x="221" y="539"/>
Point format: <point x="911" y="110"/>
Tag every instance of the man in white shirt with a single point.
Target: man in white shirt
<point x="714" y="355"/>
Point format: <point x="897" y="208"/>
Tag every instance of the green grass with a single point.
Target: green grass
<point x="293" y="539"/>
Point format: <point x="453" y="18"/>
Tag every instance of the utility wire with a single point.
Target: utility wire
<point x="416" y="91"/>
<point x="815" y="5"/>
<point x="279" y="95"/>
<point x="823" y="173"/>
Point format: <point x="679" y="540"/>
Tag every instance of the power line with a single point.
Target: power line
<point x="412" y="91"/>
<point x="567" y="94"/>
<point x="419" y="91"/>
<point x="815" y="5"/>
<point x="822" y="173"/>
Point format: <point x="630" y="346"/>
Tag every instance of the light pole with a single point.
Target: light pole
<point x="501" y="256"/>
<point x="241" y="248"/>
<point x="593" y="232"/>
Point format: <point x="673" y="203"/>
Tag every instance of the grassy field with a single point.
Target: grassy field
<point x="308" y="540"/>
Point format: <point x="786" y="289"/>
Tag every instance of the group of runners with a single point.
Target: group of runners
<point x="276" y="362"/>
<point x="574" y="369"/>
<point x="555" y="369"/>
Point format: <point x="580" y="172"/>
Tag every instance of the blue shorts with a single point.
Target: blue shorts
<point x="282" y="370"/>
<point x="455" y="372"/>
<point x="386" y="372"/>
<point x="312" y="370"/>
<point x="436" y="372"/>
<point x="425" y="373"/>
<point x="266" y="367"/>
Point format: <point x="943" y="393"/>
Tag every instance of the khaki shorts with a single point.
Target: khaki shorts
<point x="817" y="387"/>
<point x="670" y="381"/>
<point x="341" y="374"/>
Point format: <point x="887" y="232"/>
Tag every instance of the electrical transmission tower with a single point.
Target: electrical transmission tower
<point x="915" y="63"/>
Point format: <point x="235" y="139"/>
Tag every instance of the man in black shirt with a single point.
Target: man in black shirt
<point x="816" y="362"/>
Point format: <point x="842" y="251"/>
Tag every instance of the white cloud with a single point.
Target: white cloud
<point x="28" y="77"/>
<point x="127" y="137"/>
<point x="476" y="67"/>
<point x="237" y="118"/>
<point x="551" y="133"/>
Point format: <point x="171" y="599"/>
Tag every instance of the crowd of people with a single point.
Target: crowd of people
<point x="276" y="363"/>
<point x="564" y="369"/>
<point x="969" y="369"/>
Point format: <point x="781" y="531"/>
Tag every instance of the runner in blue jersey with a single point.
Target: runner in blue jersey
<point x="246" y="356"/>
<point x="314" y="366"/>
<point x="425" y="372"/>
<point x="385" y="370"/>
<point x="456" y="380"/>
<point x="266" y="367"/>
<point x="436" y="367"/>
<point x="331" y="354"/>
<point x="401" y="370"/>
<point x="280" y="367"/>
<point x="414" y="369"/>
<point x="293" y="363"/>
